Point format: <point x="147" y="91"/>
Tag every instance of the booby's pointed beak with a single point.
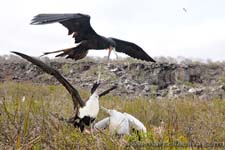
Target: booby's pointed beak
<point x="110" y="50"/>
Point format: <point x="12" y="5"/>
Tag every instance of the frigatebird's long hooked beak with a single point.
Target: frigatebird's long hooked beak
<point x="109" y="52"/>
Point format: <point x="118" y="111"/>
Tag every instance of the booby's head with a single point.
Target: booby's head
<point x="94" y="95"/>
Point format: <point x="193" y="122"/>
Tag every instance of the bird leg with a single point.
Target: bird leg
<point x="117" y="57"/>
<point x="110" y="50"/>
<point x="92" y="128"/>
<point x="90" y="131"/>
<point x="87" y="131"/>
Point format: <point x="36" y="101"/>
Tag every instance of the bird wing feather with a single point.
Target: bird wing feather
<point x="94" y="87"/>
<point x="135" y="123"/>
<point x="79" y="24"/>
<point x="107" y="91"/>
<point x="132" y="50"/>
<point x="74" y="93"/>
<point x="102" y="124"/>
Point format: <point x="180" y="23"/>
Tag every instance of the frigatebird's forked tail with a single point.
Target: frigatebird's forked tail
<point x="74" y="93"/>
<point x="75" y="53"/>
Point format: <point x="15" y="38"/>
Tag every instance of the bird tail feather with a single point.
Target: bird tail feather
<point x="75" y="53"/>
<point x="57" y="51"/>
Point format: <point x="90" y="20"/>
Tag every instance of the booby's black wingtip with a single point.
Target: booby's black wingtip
<point x="20" y="54"/>
<point x="150" y="59"/>
<point x="13" y="52"/>
<point x="94" y="87"/>
<point x="107" y="91"/>
<point x="154" y="61"/>
<point x="17" y="53"/>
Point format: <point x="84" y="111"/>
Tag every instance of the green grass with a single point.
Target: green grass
<point x="31" y="125"/>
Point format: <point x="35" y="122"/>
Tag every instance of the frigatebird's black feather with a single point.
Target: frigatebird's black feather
<point x="79" y="24"/>
<point x="132" y="50"/>
<point x="74" y="93"/>
<point x="52" y="18"/>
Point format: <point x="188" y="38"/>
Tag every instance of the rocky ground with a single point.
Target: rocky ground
<point x="134" y="78"/>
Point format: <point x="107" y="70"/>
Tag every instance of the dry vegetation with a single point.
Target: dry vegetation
<point x="29" y="124"/>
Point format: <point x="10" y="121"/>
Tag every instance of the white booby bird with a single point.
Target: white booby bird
<point x="120" y="123"/>
<point x="86" y="112"/>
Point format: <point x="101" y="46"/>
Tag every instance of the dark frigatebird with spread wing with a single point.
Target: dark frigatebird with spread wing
<point x="86" y="111"/>
<point x="79" y="26"/>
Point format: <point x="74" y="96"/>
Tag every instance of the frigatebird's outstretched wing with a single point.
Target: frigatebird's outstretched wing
<point x="74" y="93"/>
<point x="132" y="50"/>
<point x="77" y="24"/>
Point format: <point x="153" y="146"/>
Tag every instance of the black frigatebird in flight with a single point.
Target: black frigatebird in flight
<point x="79" y="26"/>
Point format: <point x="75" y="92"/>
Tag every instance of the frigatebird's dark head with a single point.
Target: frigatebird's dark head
<point x="112" y="43"/>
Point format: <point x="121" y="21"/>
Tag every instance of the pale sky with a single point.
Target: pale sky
<point x="160" y="27"/>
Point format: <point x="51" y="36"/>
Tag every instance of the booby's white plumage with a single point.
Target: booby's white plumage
<point x="91" y="107"/>
<point x="120" y="123"/>
<point x="102" y="124"/>
<point x="135" y="123"/>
